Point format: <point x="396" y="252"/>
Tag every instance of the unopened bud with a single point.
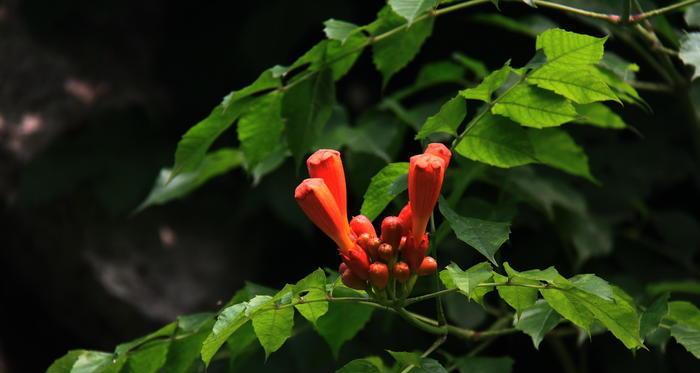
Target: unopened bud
<point x="406" y="218"/>
<point x="427" y="267"/>
<point x="364" y="242"/>
<point x="342" y="268"/>
<point x="392" y="230"/>
<point x="352" y="281"/>
<point x="356" y="259"/>
<point x="401" y="271"/>
<point x="413" y="253"/>
<point x="378" y="275"/>
<point x="385" y="252"/>
<point x="360" y="224"/>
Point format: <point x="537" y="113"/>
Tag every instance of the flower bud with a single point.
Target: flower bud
<point x="392" y="230"/>
<point x="342" y="267"/>
<point x="378" y="275"/>
<point x="427" y="267"/>
<point x="326" y="164"/>
<point x="401" y="271"/>
<point x="360" y="224"/>
<point x="352" y="281"/>
<point x="413" y="253"/>
<point x="425" y="175"/>
<point x="356" y="259"/>
<point x="406" y="218"/>
<point x="439" y="150"/>
<point x="369" y="244"/>
<point x="385" y="252"/>
<point x="317" y="202"/>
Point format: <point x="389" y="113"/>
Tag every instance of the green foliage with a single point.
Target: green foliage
<point x="379" y="193"/>
<point x="538" y="320"/>
<point x="447" y="120"/>
<point x="339" y="30"/>
<point x="410" y="9"/>
<point x="690" y="51"/>
<point x="479" y="364"/>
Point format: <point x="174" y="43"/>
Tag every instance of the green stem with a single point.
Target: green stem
<point x="424" y="326"/>
<point x="656" y="12"/>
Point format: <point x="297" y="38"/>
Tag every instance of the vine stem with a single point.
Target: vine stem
<point x="440" y="293"/>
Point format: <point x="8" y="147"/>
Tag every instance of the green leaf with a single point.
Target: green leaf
<point x="168" y="187"/>
<point x="183" y="352"/>
<point x="65" y="363"/>
<point x="367" y="365"/>
<point x="227" y="322"/>
<point x="166" y="331"/>
<point x="580" y="84"/>
<point x="447" y="120"/>
<point x="317" y="306"/>
<point x="195" y="143"/>
<point x="420" y="364"/>
<point x="475" y="66"/>
<point x="315" y="280"/>
<point x="97" y="362"/>
<point x="686" y="329"/>
<point x="342" y="321"/>
<point x="692" y="16"/>
<point x="619" y="315"/>
<point x="260" y="129"/>
<point x="378" y="195"/>
<point x="307" y="106"/>
<point x="530" y="26"/>
<point x="593" y="284"/>
<point x="690" y="52"/>
<point x="148" y="359"/>
<point x="410" y="9"/>
<point x="406" y="358"/>
<point x="622" y="89"/>
<point x="497" y="141"/>
<point x="339" y="30"/>
<point x="570" y="48"/>
<point x="482" y="364"/>
<point x="537" y="321"/>
<point x="689" y="287"/>
<point x="544" y="192"/>
<point x="599" y="115"/>
<point x="518" y="297"/>
<point x="273" y="327"/>
<point x="556" y="148"/>
<point x="490" y="84"/>
<point x="268" y="80"/>
<point x="394" y="52"/>
<point x="484" y="236"/>
<point x="688" y="337"/>
<point x="652" y="316"/>
<point x="466" y="281"/>
<point x="335" y="55"/>
<point x="439" y="72"/>
<point x="534" y="107"/>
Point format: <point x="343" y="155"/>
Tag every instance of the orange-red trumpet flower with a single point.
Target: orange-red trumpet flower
<point x="326" y="164"/>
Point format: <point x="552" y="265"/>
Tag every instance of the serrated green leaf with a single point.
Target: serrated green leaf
<point x="183" y="352"/>
<point x="342" y="321"/>
<point x="314" y="280"/>
<point x="260" y="129"/>
<point x="538" y="320"/>
<point x="227" y="322"/>
<point x="241" y="342"/>
<point x="97" y="362"/>
<point x="622" y="89"/>
<point x="556" y="148"/>
<point x="65" y="363"/>
<point x="466" y="281"/>
<point x="168" y="187"/>
<point x="580" y="84"/>
<point x="483" y="364"/>
<point x="599" y="115"/>
<point x="473" y="65"/>
<point x="366" y="365"/>
<point x="446" y="120"/>
<point x="484" y="236"/>
<point x="570" y="48"/>
<point x="166" y="331"/>
<point x="689" y="287"/>
<point x="684" y="312"/>
<point x="314" y="309"/>
<point x="193" y="147"/>
<point x="406" y="358"/>
<point x="393" y="53"/>
<point x="688" y="337"/>
<point x="593" y="284"/>
<point x="497" y="141"/>
<point x="339" y="30"/>
<point x="534" y="107"/>
<point x="518" y="297"/>
<point x="410" y="9"/>
<point x="549" y="275"/>
<point x="491" y="83"/>
<point x="148" y="359"/>
<point x="335" y="55"/>
<point x="269" y="79"/>
<point x="570" y="307"/>
<point x="652" y="316"/>
<point x="690" y="51"/>
<point x="273" y="327"/>
<point x="307" y="106"/>
<point x="378" y="195"/>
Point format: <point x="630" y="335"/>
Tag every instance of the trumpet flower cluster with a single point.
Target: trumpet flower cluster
<point x="371" y="261"/>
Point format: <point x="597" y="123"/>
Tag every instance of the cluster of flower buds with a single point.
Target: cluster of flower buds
<point x="399" y="251"/>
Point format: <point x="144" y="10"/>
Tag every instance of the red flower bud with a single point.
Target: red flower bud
<point x="406" y="218"/>
<point x="326" y="164"/>
<point x="439" y="150"/>
<point x="352" y="281"/>
<point x="378" y="275"/>
<point x="401" y="271"/>
<point x="361" y="224"/>
<point x="369" y="244"/>
<point x="342" y="268"/>
<point x="317" y="202"/>
<point x="357" y="260"/>
<point x="425" y="175"/>
<point x="392" y="230"/>
<point x="385" y="252"/>
<point x="413" y="253"/>
<point x="427" y="267"/>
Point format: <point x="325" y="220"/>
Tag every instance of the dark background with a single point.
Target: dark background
<point x="94" y="96"/>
